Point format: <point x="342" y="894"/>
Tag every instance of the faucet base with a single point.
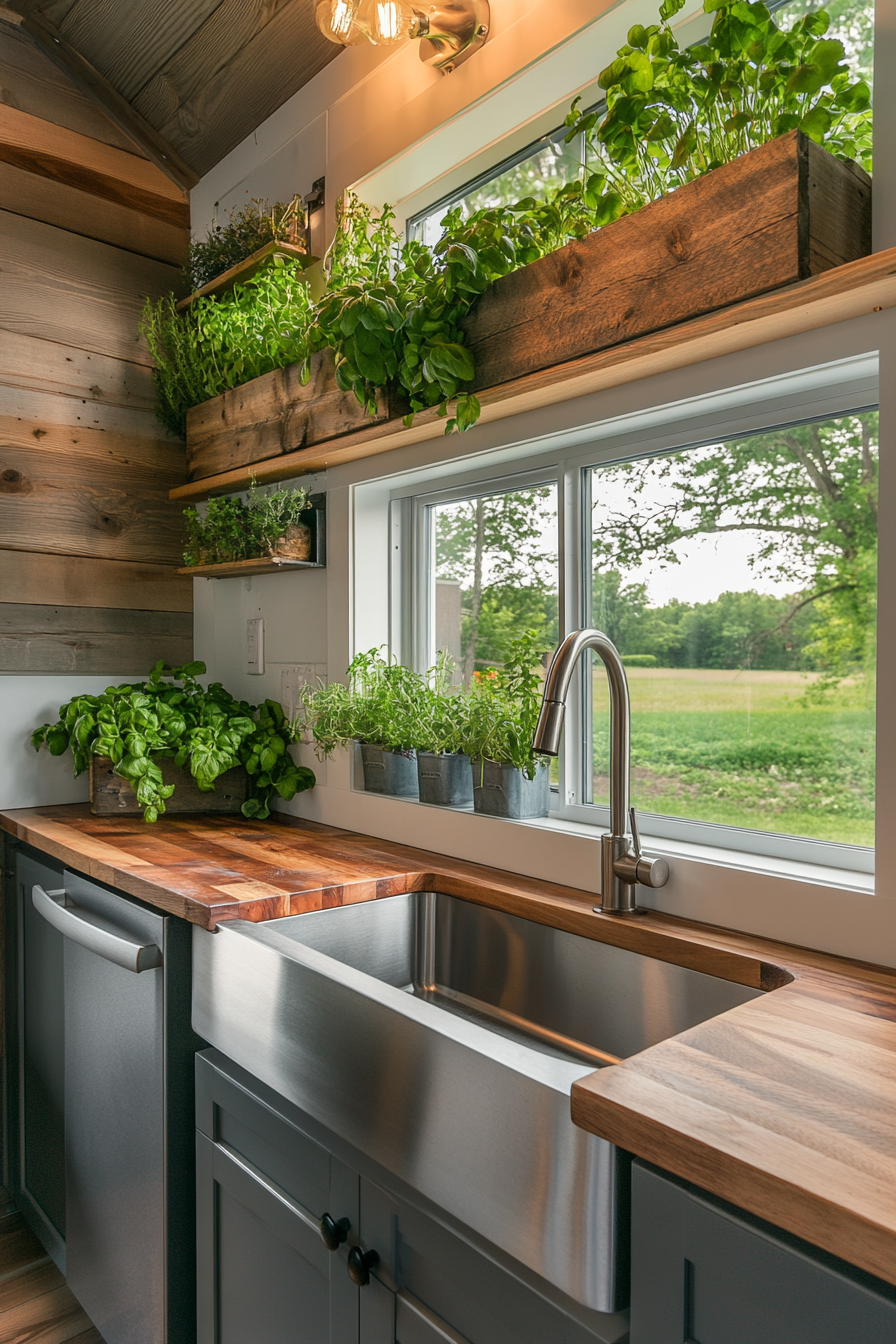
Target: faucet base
<point x="617" y="896"/>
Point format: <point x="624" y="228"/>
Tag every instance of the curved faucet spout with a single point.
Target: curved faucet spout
<point x="553" y="708"/>
<point x="622" y="866"/>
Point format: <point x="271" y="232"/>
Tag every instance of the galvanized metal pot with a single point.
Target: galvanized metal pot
<point x="390" y="772"/>
<point x="501" y="790"/>
<point x="445" y="778"/>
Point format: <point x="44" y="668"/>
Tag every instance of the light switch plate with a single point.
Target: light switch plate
<point x="292" y="679"/>
<point x="255" y="645"/>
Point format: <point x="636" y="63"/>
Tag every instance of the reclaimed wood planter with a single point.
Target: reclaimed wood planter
<point x="110" y="795"/>
<point x="778" y="215"/>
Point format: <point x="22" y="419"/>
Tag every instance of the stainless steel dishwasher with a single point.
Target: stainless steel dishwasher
<point x="129" y="1047"/>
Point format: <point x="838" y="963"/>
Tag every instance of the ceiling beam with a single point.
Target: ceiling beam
<point x="101" y="92"/>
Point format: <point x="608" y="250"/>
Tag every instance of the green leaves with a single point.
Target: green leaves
<point x="172" y="716"/>
<point x="393" y="313"/>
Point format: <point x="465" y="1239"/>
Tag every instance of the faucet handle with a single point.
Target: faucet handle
<point x="633" y="826"/>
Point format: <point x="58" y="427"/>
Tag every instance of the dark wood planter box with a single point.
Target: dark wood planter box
<point x="110" y="795"/>
<point x="780" y="214"/>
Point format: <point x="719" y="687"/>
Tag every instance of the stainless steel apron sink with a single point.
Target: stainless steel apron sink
<point x="442" y="1037"/>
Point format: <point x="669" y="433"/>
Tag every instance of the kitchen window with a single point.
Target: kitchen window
<point x="736" y="576"/>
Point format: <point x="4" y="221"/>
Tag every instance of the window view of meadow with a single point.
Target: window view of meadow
<point x="738" y="581"/>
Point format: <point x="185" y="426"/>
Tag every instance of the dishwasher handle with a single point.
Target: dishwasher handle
<point x="135" y="957"/>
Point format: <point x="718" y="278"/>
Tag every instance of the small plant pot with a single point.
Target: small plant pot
<point x="294" y="545"/>
<point x="445" y="778"/>
<point x="390" y="772"/>
<point x="503" y="791"/>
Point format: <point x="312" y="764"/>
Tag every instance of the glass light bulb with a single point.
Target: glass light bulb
<point x="336" y="19"/>
<point x="386" y="21"/>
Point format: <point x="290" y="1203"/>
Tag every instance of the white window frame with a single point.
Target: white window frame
<point x="633" y="437"/>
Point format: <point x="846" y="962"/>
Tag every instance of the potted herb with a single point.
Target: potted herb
<point x="246" y="233"/>
<point x="267" y="523"/>
<point x="444" y="772"/>
<point x="509" y="780"/>
<point x="376" y="710"/>
<point x="169" y="731"/>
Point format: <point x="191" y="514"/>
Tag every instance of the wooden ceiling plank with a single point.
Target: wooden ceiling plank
<point x="30" y="81"/>
<point x="129" y="49"/>
<point x="91" y="216"/>
<point x="210" y="49"/>
<point x="283" y="57"/>
<point x="97" y="87"/>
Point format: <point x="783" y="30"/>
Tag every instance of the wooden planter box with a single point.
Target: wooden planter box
<point x="780" y="214"/>
<point x="110" y="795"/>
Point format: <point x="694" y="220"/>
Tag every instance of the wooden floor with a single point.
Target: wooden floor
<point x="36" y="1307"/>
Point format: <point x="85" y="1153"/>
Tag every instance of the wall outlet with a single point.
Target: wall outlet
<point x="292" y="679"/>
<point x="255" y="645"/>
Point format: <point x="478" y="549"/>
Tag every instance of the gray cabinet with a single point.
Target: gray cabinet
<point x="704" y="1272"/>
<point x="266" y="1175"/>
<point x="263" y="1185"/>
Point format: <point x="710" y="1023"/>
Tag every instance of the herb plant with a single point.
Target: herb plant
<point x="138" y="724"/>
<point x="673" y="115"/>
<point x="391" y="706"/>
<point x="223" y="341"/>
<point x="246" y="230"/>
<point x="393" y="314"/>
<point x="504" y="704"/>
<point x="234" y="529"/>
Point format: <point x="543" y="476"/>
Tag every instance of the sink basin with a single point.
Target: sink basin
<point x="442" y="1038"/>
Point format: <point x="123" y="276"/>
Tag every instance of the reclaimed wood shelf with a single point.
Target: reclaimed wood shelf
<point x="244" y="569"/>
<point x="244" y="270"/>
<point x="692" y="276"/>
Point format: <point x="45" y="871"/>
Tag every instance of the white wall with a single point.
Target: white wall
<point x="379" y="120"/>
<point x="29" y="778"/>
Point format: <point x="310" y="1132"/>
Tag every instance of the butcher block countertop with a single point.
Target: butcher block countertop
<point x="786" y="1105"/>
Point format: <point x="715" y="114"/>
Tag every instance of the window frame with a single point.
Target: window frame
<point x="571" y="470"/>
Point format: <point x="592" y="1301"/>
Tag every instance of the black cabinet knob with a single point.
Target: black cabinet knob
<point x="333" y="1234"/>
<point x="360" y="1263"/>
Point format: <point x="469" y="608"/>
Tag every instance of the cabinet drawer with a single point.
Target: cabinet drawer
<point x="704" y="1273"/>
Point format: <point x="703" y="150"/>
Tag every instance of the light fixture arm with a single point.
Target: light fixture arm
<point x="451" y="31"/>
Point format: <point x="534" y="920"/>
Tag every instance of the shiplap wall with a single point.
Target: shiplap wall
<point x="89" y="541"/>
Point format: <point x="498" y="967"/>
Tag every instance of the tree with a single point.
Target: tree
<point x="806" y="493"/>
<point x="498" y="548"/>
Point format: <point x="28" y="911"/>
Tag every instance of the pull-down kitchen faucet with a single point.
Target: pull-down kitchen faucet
<point x="622" y="866"/>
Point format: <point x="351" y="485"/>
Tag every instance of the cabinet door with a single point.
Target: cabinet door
<point x="702" y="1274"/>
<point x="264" y="1273"/>
<point x="41" y="1061"/>
<point x="447" y="1290"/>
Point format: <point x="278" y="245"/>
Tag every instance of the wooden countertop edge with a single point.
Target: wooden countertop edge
<point x="841" y="1230"/>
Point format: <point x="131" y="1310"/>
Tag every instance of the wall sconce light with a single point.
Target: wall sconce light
<point x="449" y="32"/>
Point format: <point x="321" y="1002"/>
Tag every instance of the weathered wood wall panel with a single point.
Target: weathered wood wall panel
<point x="80" y="212"/>
<point x="89" y="542"/>
<point x="61" y="287"/>
<point x="91" y="639"/>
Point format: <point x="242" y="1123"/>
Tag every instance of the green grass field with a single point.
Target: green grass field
<point x="740" y="748"/>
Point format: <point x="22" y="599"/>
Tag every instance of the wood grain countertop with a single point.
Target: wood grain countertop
<point x="786" y="1105"/>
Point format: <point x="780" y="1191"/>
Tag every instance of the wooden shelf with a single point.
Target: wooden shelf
<point x="244" y="270"/>
<point x="244" y="569"/>
<point x="852" y="290"/>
